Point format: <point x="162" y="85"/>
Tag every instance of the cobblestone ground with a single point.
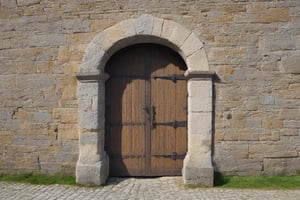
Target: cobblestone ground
<point x="131" y="188"/>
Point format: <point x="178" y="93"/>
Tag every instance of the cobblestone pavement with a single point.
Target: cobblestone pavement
<point x="131" y="188"/>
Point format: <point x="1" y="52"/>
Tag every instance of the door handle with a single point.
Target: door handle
<point x="151" y="114"/>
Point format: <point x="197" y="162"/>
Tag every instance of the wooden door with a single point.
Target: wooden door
<point x="146" y="112"/>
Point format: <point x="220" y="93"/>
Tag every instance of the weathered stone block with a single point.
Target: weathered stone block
<point x="200" y="88"/>
<point x="289" y="132"/>
<point x="47" y="40"/>
<point x="109" y="37"/>
<point x="91" y="61"/>
<point x="292" y="123"/>
<point x="65" y="115"/>
<point x="269" y="66"/>
<point x="9" y="69"/>
<point x="294" y="86"/>
<point x="271" y="150"/>
<point x="198" y="176"/>
<point x="92" y="167"/>
<point x="218" y="136"/>
<point x="248" y="136"/>
<point x="92" y="174"/>
<point x="64" y="54"/>
<point x="26" y="68"/>
<point x="238" y="123"/>
<point x="87" y="90"/>
<point x="174" y="32"/>
<point x="276" y="42"/>
<point x="128" y="27"/>
<point x="238" y="166"/>
<point x="275" y="136"/>
<point x="281" y="166"/>
<point x="89" y="120"/>
<point x="252" y="104"/>
<point x="27" y="2"/>
<point x="42" y="117"/>
<point x="199" y="104"/>
<point x="68" y="132"/>
<point x="157" y="26"/>
<point x="6" y="114"/>
<point x="144" y="24"/>
<point x="85" y="105"/>
<point x="265" y="137"/>
<point x="6" y="138"/>
<point x="254" y="122"/>
<point x="198" y="171"/>
<point x="270" y="123"/>
<point x="197" y="61"/>
<point x="191" y="45"/>
<point x="290" y="64"/>
<point x="199" y="124"/>
<point x="267" y="99"/>
<point x="69" y="92"/>
<point x="74" y="25"/>
<point x="72" y="68"/>
<point x="34" y="81"/>
<point x="272" y="15"/>
<point x="232" y="150"/>
<point x="200" y="95"/>
<point x="231" y="136"/>
<point x="7" y="81"/>
<point x="8" y="4"/>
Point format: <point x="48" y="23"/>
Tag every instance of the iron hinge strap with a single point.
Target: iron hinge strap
<point x="173" y="155"/>
<point x="173" y="77"/>
<point x="175" y="123"/>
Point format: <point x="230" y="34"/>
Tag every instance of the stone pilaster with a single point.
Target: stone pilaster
<point x="197" y="167"/>
<point x="93" y="163"/>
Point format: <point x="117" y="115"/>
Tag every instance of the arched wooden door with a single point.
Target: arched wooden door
<point x="146" y="102"/>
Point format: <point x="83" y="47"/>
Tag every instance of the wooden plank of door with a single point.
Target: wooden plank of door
<point x="126" y="97"/>
<point x="163" y="99"/>
<point x="181" y="114"/>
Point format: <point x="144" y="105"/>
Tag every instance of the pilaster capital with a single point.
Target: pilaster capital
<point x="92" y="76"/>
<point x="199" y="75"/>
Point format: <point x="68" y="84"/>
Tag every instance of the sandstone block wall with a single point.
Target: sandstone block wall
<point x="252" y="45"/>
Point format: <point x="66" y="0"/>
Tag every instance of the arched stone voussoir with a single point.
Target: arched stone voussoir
<point x="128" y="27"/>
<point x="144" y="24"/>
<point x="174" y="32"/>
<point x="96" y="52"/>
<point x="197" y="61"/>
<point x="191" y="45"/>
<point x="92" y="58"/>
<point x="110" y="36"/>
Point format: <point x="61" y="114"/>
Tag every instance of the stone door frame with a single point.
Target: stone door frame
<point x="93" y="163"/>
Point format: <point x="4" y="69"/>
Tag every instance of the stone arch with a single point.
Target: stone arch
<point x="93" y="163"/>
<point x="141" y="30"/>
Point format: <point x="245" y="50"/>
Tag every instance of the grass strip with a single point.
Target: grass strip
<point x="221" y="181"/>
<point x="38" y="179"/>
<point x="260" y="182"/>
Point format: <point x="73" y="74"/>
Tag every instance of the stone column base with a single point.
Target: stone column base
<point x="198" y="171"/>
<point x="92" y="173"/>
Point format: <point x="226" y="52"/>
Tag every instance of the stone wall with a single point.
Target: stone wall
<point x="252" y="45"/>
